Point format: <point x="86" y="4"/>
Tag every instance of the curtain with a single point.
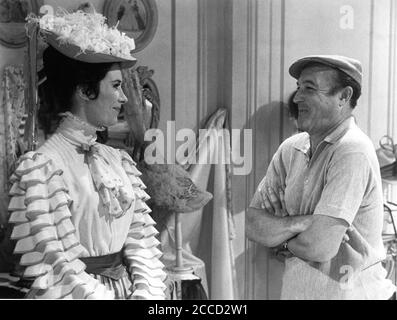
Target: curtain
<point x="207" y="234"/>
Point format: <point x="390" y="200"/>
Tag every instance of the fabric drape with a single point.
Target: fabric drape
<point x="219" y="265"/>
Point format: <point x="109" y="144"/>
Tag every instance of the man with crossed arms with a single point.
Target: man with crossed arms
<point x="321" y="200"/>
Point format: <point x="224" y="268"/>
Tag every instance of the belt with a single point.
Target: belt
<point x="110" y="265"/>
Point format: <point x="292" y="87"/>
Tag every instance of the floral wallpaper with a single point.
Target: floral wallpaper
<point x="12" y="117"/>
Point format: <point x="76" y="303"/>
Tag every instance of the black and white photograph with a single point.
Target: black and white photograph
<point x="215" y="152"/>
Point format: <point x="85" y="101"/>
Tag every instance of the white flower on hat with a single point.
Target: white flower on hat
<point x="66" y="31"/>
<point x="113" y="36"/>
<point x="88" y="31"/>
<point x="125" y="48"/>
<point x="101" y="47"/>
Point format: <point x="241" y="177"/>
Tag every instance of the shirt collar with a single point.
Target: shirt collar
<point x="340" y="130"/>
<point x="303" y="145"/>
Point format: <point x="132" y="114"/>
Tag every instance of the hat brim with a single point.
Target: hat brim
<point x="297" y="67"/>
<point x="347" y="67"/>
<point x="74" y="52"/>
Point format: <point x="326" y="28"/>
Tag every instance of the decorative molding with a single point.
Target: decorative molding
<point x="371" y="66"/>
<point x="282" y="71"/>
<point x="251" y="102"/>
<point x="202" y="63"/>
<point x="12" y="27"/>
<point x="265" y="89"/>
<point x="173" y="59"/>
<point x="144" y="14"/>
<point x="150" y="92"/>
<point x="392" y="69"/>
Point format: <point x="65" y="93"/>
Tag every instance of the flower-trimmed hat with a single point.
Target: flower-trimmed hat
<point x="82" y="36"/>
<point x="86" y="37"/>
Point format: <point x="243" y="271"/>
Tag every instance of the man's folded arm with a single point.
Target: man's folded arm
<point x="320" y="242"/>
<point x="270" y="230"/>
<point x="340" y="201"/>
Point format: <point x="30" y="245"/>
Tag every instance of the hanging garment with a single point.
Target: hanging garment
<point x="214" y="235"/>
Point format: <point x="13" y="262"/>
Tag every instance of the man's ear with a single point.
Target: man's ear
<point x="346" y="94"/>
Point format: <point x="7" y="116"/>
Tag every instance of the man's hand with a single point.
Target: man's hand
<point x="274" y="203"/>
<point x="346" y="237"/>
<point x="280" y="253"/>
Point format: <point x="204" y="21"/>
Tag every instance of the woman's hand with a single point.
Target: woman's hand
<point x="274" y="202"/>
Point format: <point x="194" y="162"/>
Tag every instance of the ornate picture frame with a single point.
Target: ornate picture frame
<point x="137" y="18"/>
<point x="12" y="21"/>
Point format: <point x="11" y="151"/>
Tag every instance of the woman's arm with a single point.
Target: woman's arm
<point x="45" y="235"/>
<point x="140" y="249"/>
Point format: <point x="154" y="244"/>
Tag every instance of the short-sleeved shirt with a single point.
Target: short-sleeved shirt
<point x="340" y="180"/>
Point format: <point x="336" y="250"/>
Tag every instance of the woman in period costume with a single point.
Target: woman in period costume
<point x="81" y="224"/>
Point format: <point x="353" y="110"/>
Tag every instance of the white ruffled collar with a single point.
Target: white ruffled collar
<point x="77" y="131"/>
<point x="111" y="190"/>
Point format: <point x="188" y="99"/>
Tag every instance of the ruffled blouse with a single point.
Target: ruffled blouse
<point x="75" y="198"/>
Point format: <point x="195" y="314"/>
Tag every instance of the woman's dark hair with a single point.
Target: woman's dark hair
<point x="64" y="75"/>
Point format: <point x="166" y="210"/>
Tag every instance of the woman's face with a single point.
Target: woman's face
<point x="103" y="111"/>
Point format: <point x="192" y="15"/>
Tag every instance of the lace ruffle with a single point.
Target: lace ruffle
<point x="45" y="234"/>
<point x="141" y="245"/>
<point x="110" y="187"/>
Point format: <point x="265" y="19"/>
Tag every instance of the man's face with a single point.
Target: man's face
<point x="319" y="111"/>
